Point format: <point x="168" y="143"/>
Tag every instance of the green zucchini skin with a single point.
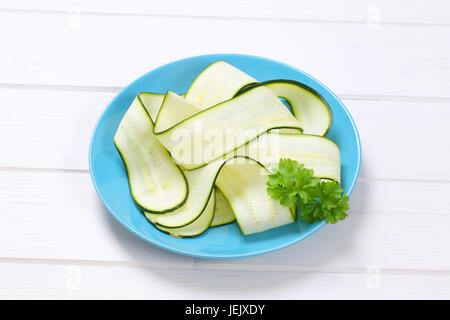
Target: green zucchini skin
<point x="248" y="87"/>
<point x="251" y="86"/>
<point x="222" y="224"/>
<point x="296" y="83"/>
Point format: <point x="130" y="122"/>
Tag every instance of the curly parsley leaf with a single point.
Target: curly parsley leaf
<point x="289" y="180"/>
<point x="319" y="200"/>
<point x="329" y="203"/>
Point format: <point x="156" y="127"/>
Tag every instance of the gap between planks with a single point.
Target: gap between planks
<point x="86" y="171"/>
<point x="217" y="17"/>
<point x="202" y="264"/>
<point x="342" y="96"/>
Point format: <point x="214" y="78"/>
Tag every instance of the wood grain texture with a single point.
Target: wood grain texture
<point x="109" y="50"/>
<point x="91" y="282"/>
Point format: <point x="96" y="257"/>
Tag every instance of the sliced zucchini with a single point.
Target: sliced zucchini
<point x="308" y="106"/>
<point x="221" y="128"/>
<point x="152" y="103"/>
<point x="226" y="132"/>
<point x="243" y="183"/>
<point x="315" y="152"/>
<point x="198" y="226"/>
<point x="178" y="110"/>
<point x="157" y="184"/>
<point x="222" y="81"/>
<point x="201" y="183"/>
<point x="223" y="213"/>
<point x="217" y="83"/>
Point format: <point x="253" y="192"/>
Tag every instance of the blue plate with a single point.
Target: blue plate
<point x="110" y="179"/>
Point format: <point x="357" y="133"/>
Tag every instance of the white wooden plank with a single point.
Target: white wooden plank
<point x="22" y="281"/>
<point x="52" y="129"/>
<point x="370" y="11"/>
<point x="403" y="140"/>
<point x="391" y="225"/>
<point x="113" y="50"/>
<point x="57" y="215"/>
<point x="388" y="227"/>
<point x="403" y="241"/>
<point x="49" y="129"/>
<point x="404" y="197"/>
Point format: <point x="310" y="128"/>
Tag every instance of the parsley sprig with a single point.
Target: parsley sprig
<point x="318" y="200"/>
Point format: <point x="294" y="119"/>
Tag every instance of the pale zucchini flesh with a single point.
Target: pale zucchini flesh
<point x="319" y="153"/>
<point x="198" y="226"/>
<point x="223" y="214"/>
<point x="225" y="98"/>
<point x="217" y="83"/>
<point x="235" y="122"/>
<point x="242" y="179"/>
<point x="315" y="152"/>
<point x="178" y="109"/>
<point x="243" y="184"/>
<point x="201" y="183"/>
<point x="308" y="106"/>
<point x="157" y="184"/>
<point x="152" y="103"/>
<point x="222" y="81"/>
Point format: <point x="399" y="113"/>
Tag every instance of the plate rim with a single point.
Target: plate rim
<point x="161" y="245"/>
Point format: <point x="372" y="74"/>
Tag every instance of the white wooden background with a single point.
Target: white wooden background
<point x="61" y="62"/>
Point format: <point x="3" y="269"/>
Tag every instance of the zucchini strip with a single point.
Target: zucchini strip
<point x="202" y="160"/>
<point x="243" y="181"/>
<point x="198" y="226"/>
<point x="152" y="103"/>
<point x="243" y="184"/>
<point x="318" y="153"/>
<point x="308" y="106"/>
<point x="217" y="83"/>
<point x="222" y="128"/>
<point x="157" y="184"/>
<point x="222" y="81"/>
<point x="174" y="115"/>
<point x="223" y="213"/>
<point x="315" y="152"/>
<point x="201" y="183"/>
